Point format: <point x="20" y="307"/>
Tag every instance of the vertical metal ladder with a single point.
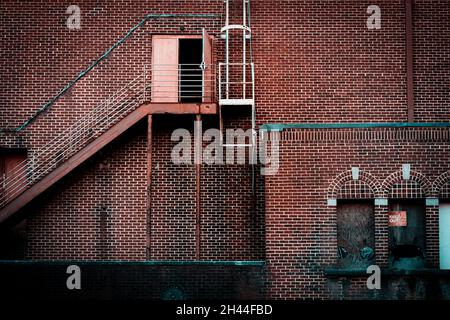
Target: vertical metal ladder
<point x="239" y="93"/>
<point x="231" y="91"/>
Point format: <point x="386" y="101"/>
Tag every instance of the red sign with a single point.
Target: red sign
<point x="397" y="219"/>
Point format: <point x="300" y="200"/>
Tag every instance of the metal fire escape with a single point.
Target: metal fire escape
<point x="73" y="145"/>
<point x="237" y="78"/>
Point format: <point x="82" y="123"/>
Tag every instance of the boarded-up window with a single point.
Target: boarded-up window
<point x="407" y="242"/>
<point x="12" y="175"/>
<point x="355" y="233"/>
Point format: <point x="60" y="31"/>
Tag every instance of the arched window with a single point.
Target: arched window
<point x="407" y="190"/>
<point x="354" y="192"/>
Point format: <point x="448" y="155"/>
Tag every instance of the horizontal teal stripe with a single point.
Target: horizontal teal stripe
<point x="338" y="272"/>
<point x="137" y="263"/>
<point x="350" y="125"/>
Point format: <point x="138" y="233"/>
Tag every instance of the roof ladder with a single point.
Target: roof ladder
<point x="232" y="90"/>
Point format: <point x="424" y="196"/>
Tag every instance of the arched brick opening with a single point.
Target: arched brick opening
<point x="345" y="187"/>
<point x="350" y="197"/>
<point x="409" y="195"/>
<point x="417" y="186"/>
<point x="441" y="186"/>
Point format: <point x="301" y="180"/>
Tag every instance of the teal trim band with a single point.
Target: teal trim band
<point x="338" y="272"/>
<point x="354" y="125"/>
<point x="136" y="263"/>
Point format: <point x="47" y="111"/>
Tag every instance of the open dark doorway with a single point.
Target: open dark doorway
<point x="407" y="243"/>
<point x="190" y="80"/>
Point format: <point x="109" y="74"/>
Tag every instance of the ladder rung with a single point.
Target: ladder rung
<point x="236" y="102"/>
<point x="237" y="145"/>
<point x="224" y="36"/>
<point x="235" y="26"/>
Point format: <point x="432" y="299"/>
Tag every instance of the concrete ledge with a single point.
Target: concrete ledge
<point x="134" y="280"/>
<point x="353" y="125"/>
<point x="137" y="263"/>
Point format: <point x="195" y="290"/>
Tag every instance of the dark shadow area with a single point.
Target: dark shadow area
<point x="190" y="58"/>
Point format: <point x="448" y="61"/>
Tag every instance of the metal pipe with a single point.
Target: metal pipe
<point x="149" y="184"/>
<point x="220" y="80"/>
<point x="244" y="47"/>
<point x="254" y="155"/>
<point x="220" y="125"/>
<point x="227" y="59"/>
<point x="409" y="58"/>
<point x="198" y="146"/>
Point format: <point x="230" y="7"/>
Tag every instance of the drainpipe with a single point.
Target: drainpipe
<point x="410" y="58"/>
<point x="149" y="184"/>
<point x="198" y="159"/>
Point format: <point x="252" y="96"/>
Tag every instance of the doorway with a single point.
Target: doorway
<point x="191" y="76"/>
<point x="182" y="68"/>
<point x="407" y="241"/>
<point x="444" y="235"/>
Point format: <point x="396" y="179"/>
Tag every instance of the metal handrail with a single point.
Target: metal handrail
<point x="241" y="89"/>
<point x="99" y="119"/>
<point x="44" y="160"/>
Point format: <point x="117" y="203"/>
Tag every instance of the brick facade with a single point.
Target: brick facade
<point x="315" y="168"/>
<point x="315" y="62"/>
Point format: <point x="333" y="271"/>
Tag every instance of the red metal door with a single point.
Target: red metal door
<point x="164" y="69"/>
<point x="207" y="66"/>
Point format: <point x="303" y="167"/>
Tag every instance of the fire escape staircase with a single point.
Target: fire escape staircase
<point x="141" y="97"/>
<point x="67" y="150"/>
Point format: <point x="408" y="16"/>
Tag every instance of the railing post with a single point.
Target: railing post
<point x="179" y="92"/>
<point x="204" y="80"/>
<point x="252" y="66"/>
<point x="3" y="191"/>
<point x="31" y="169"/>
<point x="220" y="81"/>
<point x="145" y="82"/>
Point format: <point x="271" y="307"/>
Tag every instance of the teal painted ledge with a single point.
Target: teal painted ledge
<point x="339" y="272"/>
<point x="353" y="125"/>
<point x="136" y="263"/>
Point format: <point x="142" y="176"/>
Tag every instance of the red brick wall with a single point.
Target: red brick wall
<point x="432" y="72"/>
<point x="99" y="211"/>
<point x="325" y="65"/>
<point x="301" y="229"/>
<point x="230" y="228"/>
<point x="316" y="61"/>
